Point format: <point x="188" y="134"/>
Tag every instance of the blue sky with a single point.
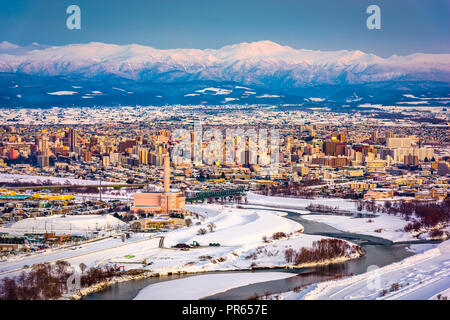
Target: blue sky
<point x="408" y="26"/>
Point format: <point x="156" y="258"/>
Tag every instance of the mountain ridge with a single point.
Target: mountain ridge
<point x="89" y="75"/>
<point x="247" y="63"/>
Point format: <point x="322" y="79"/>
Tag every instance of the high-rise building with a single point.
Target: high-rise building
<point x="73" y="139"/>
<point x="374" y="136"/>
<point x="87" y="156"/>
<point x="399" y="142"/>
<point x="335" y="148"/>
<point x="411" y="160"/>
<point x="124" y="145"/>
<point x="143" y="156"/>
<point x="43" y="161"/>
<point x="13" y="154"/>
<point x="105" y="161"/>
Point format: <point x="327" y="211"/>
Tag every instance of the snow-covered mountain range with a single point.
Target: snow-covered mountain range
<point x="246" y="73"/>
<point x="262" y="63"/>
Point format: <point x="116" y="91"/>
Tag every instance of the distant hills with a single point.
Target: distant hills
<point x="254" y="73"/>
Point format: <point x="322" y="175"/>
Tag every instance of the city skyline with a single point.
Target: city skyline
<point x="224" y="150"/>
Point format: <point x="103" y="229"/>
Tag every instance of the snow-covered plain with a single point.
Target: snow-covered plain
<point x="298" y="203"/>
<point x="77" y="224"/>
<point x="420" y="277"/>
<point x="239" y="231"/>
<point x="197" y="287"/>
<point x="390" y="227"/>
<point x="236" y="227"/>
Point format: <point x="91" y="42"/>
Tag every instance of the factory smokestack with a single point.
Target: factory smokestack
<point x="166" y="174"/>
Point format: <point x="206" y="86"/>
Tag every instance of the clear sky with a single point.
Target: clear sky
<point x="408" y="26"/>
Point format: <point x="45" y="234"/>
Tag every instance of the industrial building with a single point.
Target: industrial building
<point x="165" y="202"/>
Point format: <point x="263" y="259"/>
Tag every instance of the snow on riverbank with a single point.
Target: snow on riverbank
<point x="235" y="227"/>
<point x="390" y="227"/>
<point x="240" y="233"/>
<point x="205" y="210"/>
<point x="299" y="203"/>
<point x="387" y="226"/>
<point x="273" y="254"/>
<point x="420" y="277"/>
<point x="197" y="287"/>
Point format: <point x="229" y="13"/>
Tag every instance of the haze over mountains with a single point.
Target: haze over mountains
<point x="133" y="74"/>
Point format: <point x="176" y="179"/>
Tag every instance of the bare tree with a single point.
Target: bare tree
<point x="211" y="227"/>
<point x="82" y="267"/>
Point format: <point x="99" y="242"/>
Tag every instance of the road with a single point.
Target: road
<point x="9" y="268"/>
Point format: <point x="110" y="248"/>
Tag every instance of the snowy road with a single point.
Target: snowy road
<point x="97" y="249"/>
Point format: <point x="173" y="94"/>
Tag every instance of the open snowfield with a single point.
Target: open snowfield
<point x="197" y="287"/>
<point x="77" y="224"/>
<point x="205" y="210"/>
<point x="239" y="231"/>
<point x="272" y="254"/>
<point x="391" y="226"/>
<point x="278" y="211"/>
<point x="420" y="277"/>
<point x="298" y="203"/>
<point x="235" y="227"/>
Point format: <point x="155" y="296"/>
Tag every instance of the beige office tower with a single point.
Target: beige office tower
<point x="166" y="174"/>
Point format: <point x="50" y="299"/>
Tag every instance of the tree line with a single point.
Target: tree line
<point x="420" y="214"/>
<point x="321" y="250"/>
<point x="48" y="281"/>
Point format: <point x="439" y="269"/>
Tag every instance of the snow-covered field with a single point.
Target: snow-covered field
<point x="391" y="227"/>
<point x="420" y="277"/>
<point x="239" y="231"/>
<point x="77" y="224"/>
<point x="197" y="287"/>
<point x="236" y="227"/>
<point x="298" y="203"/>
<point x="205" y="210"/>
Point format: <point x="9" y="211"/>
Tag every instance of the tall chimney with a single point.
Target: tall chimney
<point x="166" y="174"/>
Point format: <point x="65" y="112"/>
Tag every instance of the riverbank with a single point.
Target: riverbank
<point x="149" y="274"/>
<point x="270" y="263"/>
<point x="420" y="277"/>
